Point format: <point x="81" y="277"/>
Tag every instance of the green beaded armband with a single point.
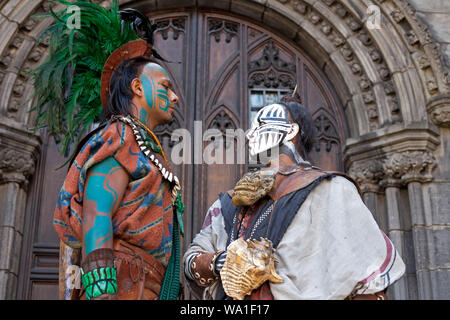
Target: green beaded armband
<point x="99" y="281"/>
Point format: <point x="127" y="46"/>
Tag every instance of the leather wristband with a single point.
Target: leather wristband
<point x="98" y="273"/>
<point x="203" y="268"/>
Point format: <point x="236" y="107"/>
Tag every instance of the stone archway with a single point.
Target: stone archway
<point x="392" y="82"/>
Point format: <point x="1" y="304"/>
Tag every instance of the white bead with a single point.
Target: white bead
<point x="152" y="157"/>
<point x="170" y="177"/>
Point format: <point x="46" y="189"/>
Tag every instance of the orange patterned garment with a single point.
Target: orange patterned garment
<point x="144" y="217"/>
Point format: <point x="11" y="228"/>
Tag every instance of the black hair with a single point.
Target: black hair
<point x="300" y="115"/>
<point x="120" y="93"/>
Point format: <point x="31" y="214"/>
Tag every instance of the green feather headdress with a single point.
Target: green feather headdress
<point x="67" y="84"/>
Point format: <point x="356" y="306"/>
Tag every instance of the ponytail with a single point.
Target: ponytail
<point x="300" y="115"/>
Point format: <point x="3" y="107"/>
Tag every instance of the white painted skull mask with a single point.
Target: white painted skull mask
<point x="271" y="127"/>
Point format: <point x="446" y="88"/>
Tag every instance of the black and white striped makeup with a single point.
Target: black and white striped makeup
<point x="271" y="127"/>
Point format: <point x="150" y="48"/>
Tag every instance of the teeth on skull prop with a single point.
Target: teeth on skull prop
<point x="270" y="127"/>
<point x="247" y="266"/>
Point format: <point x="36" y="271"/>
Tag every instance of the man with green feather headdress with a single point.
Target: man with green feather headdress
<point x="120" y="204"/>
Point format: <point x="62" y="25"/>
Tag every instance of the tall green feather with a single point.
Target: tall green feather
<point x="67" y="84"/>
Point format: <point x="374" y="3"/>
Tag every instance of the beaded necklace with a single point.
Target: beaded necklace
<point x="164" y="169"/>
<point x="166" y="173"/>
<point x="154" y="138"/>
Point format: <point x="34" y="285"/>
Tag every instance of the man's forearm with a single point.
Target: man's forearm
<point x="204" y="267"/>
<point x="105" y="186"/>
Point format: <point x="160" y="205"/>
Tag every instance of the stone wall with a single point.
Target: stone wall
<point x="436" y="15"/>
<point x="433" y="228"/>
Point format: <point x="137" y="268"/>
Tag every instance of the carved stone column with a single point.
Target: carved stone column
<point x="411" y="168"/>
<point x="418" y="166"/>
<point x="368" y="174"/>
<point x="414" y="222"/>
<point x="396" y="224"/>
<point x="18" y="154"/>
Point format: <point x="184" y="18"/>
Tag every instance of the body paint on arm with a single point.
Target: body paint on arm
<point x="105" y="186"/>
<point x="100" y="233"/>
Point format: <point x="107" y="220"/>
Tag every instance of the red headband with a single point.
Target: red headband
<point x="129" y="50"/>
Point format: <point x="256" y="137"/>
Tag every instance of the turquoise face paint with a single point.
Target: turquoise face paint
<point x="164" y="102"/>
<point x="155" y="94"/>
<point x="149" y="90"/>
<point x="143" y="116"/>
<point x="158" y="67"/>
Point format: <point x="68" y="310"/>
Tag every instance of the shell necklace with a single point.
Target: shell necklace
<point x="166" y="172"/>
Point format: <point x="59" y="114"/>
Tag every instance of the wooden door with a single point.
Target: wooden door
<point x="224" y="68"/>
<point x="229" y="69"/>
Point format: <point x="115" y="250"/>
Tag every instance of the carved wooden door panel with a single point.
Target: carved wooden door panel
<point x="242" y="66"/>
<point x="223" y="68"/>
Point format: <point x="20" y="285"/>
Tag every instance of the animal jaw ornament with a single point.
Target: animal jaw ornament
<point x="248" y="265"/>
<point x="252" y="187"/>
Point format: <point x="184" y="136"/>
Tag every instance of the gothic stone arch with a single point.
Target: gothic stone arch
<point x="393" y="85"/>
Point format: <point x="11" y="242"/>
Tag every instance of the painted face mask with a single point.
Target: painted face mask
<point x="270" y="128"/>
